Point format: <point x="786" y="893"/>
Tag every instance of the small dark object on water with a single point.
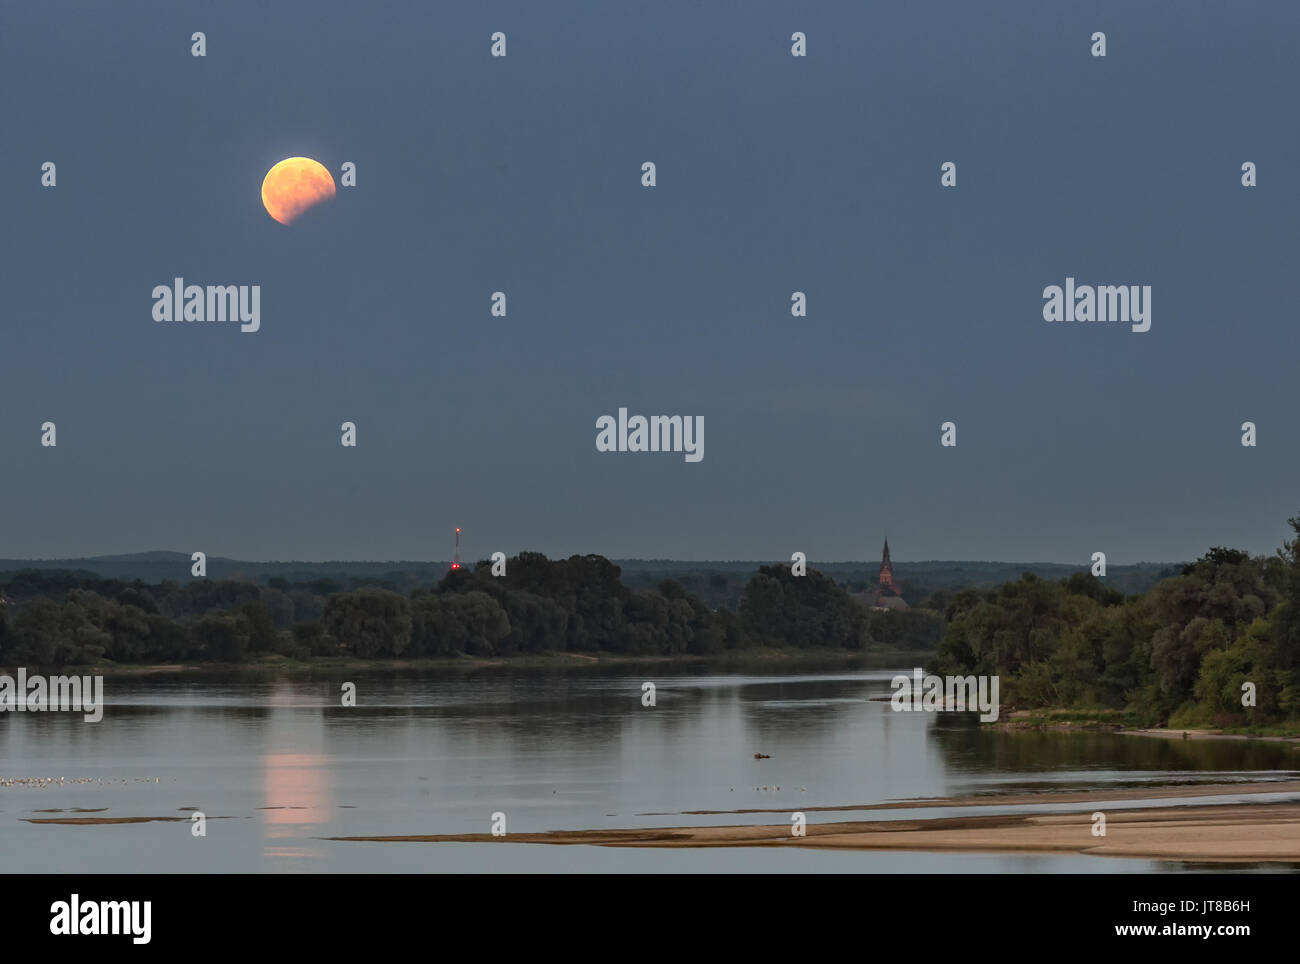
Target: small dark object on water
<point x="762" y="756"/>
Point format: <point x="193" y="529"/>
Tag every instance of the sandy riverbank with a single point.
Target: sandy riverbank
<point x="1113" y="723"/>
<point x="1208" y="735"/>
<point x="1233" y="832"/>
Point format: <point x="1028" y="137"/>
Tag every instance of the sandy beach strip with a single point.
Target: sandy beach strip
<point x="1167" y="734"/>
<point x="1236" y="832"/>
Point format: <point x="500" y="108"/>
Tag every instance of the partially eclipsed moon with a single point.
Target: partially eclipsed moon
<point x="294" y="185"/>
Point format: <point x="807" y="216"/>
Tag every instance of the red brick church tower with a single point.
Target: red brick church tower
<point x="887" y="573"/>
<point x="888" y="595"/>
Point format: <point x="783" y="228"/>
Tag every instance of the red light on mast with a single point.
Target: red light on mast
<point x="455" y="563"/>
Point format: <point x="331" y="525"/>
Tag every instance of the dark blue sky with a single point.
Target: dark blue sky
<point x="775" y="174"/>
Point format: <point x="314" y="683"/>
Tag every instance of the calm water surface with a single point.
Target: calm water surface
<point x="278" y="764"/>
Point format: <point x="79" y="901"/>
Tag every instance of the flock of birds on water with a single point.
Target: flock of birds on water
<point x="40" y="783"/>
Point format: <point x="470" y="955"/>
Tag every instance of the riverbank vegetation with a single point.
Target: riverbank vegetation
<point x="578" y="605"/>
<point x="1215" y="646"/>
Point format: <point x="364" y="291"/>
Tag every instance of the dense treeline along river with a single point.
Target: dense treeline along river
<point x="278" y="765"/>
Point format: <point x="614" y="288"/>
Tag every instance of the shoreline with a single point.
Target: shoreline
<point x="1032" y="799"/>
<point x="1215" y="833"/>
<point x="1114" y="722"/>
<point x="1206" y="734"/>
<point x="739" y="660"/>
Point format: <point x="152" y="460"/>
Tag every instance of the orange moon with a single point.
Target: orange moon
<point x="293" y="186"/>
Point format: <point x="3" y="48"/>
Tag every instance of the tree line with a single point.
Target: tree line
<point x="579" y="605"/>
<point x="1218" y="643"/>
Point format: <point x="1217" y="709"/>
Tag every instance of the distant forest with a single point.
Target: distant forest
<point x="54" y="617"/>
<point x="718" y="584"/>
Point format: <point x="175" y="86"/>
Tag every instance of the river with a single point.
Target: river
<point x="276" y="765"/>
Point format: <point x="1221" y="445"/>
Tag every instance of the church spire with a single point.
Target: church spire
<point x="887" y="572"/>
